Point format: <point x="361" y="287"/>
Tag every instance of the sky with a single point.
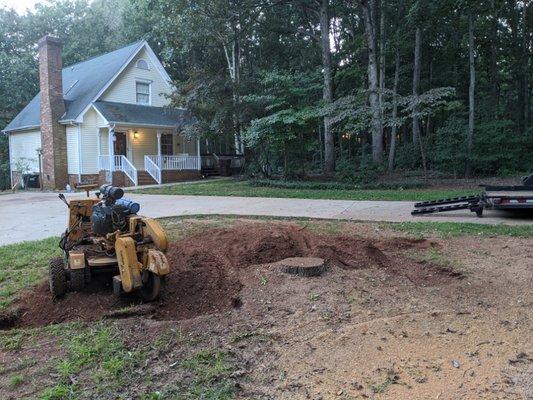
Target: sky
<point x="20" y="5"/>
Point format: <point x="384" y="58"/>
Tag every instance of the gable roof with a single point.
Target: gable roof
<point x="82" y="83"/>
<point x="134" y="114"/>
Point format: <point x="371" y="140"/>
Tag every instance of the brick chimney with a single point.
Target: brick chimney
<point x="53" y="134"/>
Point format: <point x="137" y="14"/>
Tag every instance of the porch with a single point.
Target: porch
<point x="131" y="156"/>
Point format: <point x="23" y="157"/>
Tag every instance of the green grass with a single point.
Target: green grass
<point x="212" y="370"/>
<point x="96" y="357"/>
<point x="450" y="229"/>
<point x="23" y="265"/>
<point x="246" y="189"/>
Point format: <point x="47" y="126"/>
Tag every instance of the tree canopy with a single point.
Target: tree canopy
<point x="314" y="85"/>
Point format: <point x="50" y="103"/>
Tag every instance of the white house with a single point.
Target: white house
<point x="106" y="119"/>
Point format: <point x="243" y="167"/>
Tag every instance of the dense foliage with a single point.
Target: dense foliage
<point x="260" y="77"/>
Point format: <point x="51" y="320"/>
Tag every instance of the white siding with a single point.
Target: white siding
<point x="145" y="144"/>
<point x="24" y="145"/>
<point x="89" y="142"/>
<point x="123" y="88"/>
<point x="72" y="150"/>
<point x="104" y="141"/>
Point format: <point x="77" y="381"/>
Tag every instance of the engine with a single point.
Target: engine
<point x="110" y="214"/>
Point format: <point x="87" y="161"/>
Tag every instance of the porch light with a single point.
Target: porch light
<point x="135" y="135"/>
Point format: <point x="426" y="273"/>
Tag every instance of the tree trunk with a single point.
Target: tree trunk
<point x="526" y="60"/>
<point x="471" y="94"/>
<point x="417" y="139"/>
<point x="416" y="81"/>
<point x="370" y="33"/>
<point x="382" y="66"/>
<point x="329" y="145"/>
<point x="392" y="149"/>
<point x="495" y="78"/>
<point x="233" y="60"/>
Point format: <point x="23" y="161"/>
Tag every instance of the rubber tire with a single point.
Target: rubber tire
<point x="57" y="277"/>
<point x="151" y="286"/>
<point x="77" y="279"/>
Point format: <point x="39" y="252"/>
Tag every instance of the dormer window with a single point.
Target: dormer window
<point x="142" y="64"/>
<point x="143" y="92"/>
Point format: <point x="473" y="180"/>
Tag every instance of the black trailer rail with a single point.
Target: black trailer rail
<point x="494" y="197"/>
<point x="472" y="203"/>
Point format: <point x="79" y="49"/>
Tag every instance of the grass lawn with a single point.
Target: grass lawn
<point x="24" y="265"/>
<point x="245" y="189"/>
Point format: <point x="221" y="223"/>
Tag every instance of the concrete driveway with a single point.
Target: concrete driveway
<point x="36" y="215"/>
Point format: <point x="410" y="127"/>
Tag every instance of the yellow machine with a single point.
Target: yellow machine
<point x="106" y="234"/>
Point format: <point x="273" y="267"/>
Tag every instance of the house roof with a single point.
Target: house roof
<point x="81" y="84"/>
<point x="134" y="114"/>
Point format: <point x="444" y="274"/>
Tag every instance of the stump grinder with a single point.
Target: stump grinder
<point x="105" y="234"/>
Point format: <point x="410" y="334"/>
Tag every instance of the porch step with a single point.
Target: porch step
<point x="144" y="178"/>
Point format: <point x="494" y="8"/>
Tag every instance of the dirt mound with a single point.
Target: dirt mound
<point x="206" y="269"/>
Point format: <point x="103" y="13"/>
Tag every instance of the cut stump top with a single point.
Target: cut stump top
<point x="303" y="266"/>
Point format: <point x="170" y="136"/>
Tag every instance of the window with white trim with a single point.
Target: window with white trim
<point x="142" y="64"/>
<point x="143" y="92"/>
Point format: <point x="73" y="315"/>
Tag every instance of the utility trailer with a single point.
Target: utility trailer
<point x="493" y="198"/>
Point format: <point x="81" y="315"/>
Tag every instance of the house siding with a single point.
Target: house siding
<point x="89" y="142"/>
<point x="25" y="145"/>
<point x="73" y="160"/>
<point x="145" y="144"/>
<point x="123" y="89"/>
<point x="104" y="141"/>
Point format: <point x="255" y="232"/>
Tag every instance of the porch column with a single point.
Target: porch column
<point x="159" y="160"/>
<point x="199" y="167"/>
<point x="111" y="135"/>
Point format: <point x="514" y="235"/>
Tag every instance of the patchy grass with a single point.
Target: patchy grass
<point x="212" y="370"/>
<point x="97" y="361"/>
<point x="23" y="265"/>
<point x="246" y="189"/>
<point x="243" y="336"/>
<point x="435" y="256"/>
<point x="16" y="380"/>
<point x="447" y="229"/>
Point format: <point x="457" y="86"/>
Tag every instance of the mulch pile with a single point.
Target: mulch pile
<point x="205" y="270"/>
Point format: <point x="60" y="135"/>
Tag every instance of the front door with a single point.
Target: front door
<point x="120" y="144"/>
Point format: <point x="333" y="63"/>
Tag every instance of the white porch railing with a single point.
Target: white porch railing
<point x="152" y="168"/>
<point x="118" y="163"/>
<point x="178" y="162"/>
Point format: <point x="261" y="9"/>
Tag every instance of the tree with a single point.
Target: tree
<point x="329" y="146"/>
<point x="471" y="93"/>
<point x="370" y="34"/>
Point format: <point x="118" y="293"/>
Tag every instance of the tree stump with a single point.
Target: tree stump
<point x="303" y="266"/>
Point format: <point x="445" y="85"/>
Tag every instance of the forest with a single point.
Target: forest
<point x="343" y="89"/>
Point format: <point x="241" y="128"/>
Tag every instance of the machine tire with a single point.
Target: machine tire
<point x="57" y="277"/>
<point x="151" y="286"/>
<point x="77" y="279"/>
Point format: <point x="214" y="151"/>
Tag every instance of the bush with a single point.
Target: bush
<point x="299" y="185"/>
<point x="500" y="150"/>
<point x="450" y="147"/>
<point x="408" y="157"/>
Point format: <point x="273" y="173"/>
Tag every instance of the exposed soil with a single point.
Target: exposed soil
<point x="207" y="270"/>
<point x="377" y="324"/>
